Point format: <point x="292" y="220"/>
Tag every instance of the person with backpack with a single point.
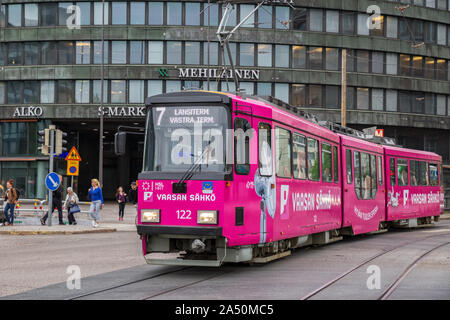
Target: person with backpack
<point x="11" y="201"/>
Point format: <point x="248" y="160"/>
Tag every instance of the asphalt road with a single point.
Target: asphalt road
<point x="112" y="268"/>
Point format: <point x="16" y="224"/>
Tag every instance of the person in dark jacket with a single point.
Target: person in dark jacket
<point x="133" y="194"/>
<point x="57" y="203"/>
<point x="10" y="202"/>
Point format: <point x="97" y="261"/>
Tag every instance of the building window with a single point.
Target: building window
<point x="283" y="152"/>
<point x="440" y="105"/>
<point x="155" y="52"/>
<point x="31" y="53"/>
<point x="14" y="136"/>
<point x="48" y="52"/>
<point x="154" y="87"/>
<point x="14" y="53"/>
<point x="417" y="66"/>
<point x="440" y="69"/>
<point x="31" y="14"/>
<point x="137" y="12"/>
<point x="405" y="65"/>
<point x="65" y="52"/>
<point x="417" y="102"/>
<point x="213" y="10"/>
<point x="315" y="58"/>
<point x="245" y="10"/>
<point x="332" y="97"/>
<point x="137" y="52"/>
<point x="213" y="53"/>
<point x="192" y="13"/>
<point x="315" y="96"/>
<point x="118" y="91"/>
<point x="362" y="98"/>
<point x="377" y="62"/>
<point x="63" y="16"/>
<point x="430" y="103"/>
<point x="391" y="63"/>
<point x="98" y="8"/>
<point x="47" y="91"/>
<point x="332" y="58"/>
<point x="430" y="32"/>
<point x="118" y="52"/>
<point x="232" y="17"/>
<point x="316" y="20"/>
<point x="348" y="22"/>
<point x="299" y="57"/>
<point x="391" y="27"/>
<point x="247" y="54"/>
<point x="362" y="24"/>
<point x="351" y="60"/>
<point x="265" y="17"/>
<point x="430" y="3"/>
<point x="136" y="91"/>
<point x="429" y="68"/>
<point x="85" y="13"/>
<point x="82" y="89"/>
<point x="96" y="91"/>
<point x="65" y="90"/>
<point x="15" y="15"/>
<point x="350" y="98"/>
<point x="282" y="91"/>
<point x="332" y="21"/>
<point x="2" y="15"/>
<point x="300" y="19"/>
<point x="173" y="52"/>
<point x="155" y="13"/>
<point x="264" y="88"/>
<point x="391" y="100"/>
<point x="362" y="61"/>
<point x="98" y="52"/>
<point x="233" y="53"/>
<point x="404" y="101"/>
<point x="441" y="34"/>
<point x="298" y="95"/>
<point x="264" y="55"/>
<point x="14" y="92"/>
<point x="173" y="86"/>
<point x="192" y="53"/>
<point x="248" y="87"/>
<point x="30" y="91"/>
<point x="2" y="93"/>
<point x="119" y="13"/>
<point x="282" y="56"/>
<point x="377" y="24"/>
<point x="282" y="18"/>
<point x="48" y="14"/>
<point x="377" y="99"/>
<point x="174" y="13"/>
<point x="83" y="52"/>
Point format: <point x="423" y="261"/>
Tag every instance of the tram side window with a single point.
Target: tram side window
<point x="441" y="178"/>
<point x="365" y="175"/>
<point x="373" y="175"/>
<point x="313" y="160"/>
<point x="326" y="163"/>
<point x="414" y="172"/>
<point x="265" y="149"/>
<point x="402" y="172"/>
<point x="380" y="170"/>
<point x="336" y="164"/>
<point x="348" y="160"/>
<point x="242" y="136"/>
<point x="299" y="156"/>
<point x="283" y="152"/>
<point x="357" y="166"/>
<point x="424" y="179"/>
<point x="392" y="170"/>
<point x="434" y="179"/>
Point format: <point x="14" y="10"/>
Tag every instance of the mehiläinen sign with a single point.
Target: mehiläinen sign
<point x="245" y="74"/>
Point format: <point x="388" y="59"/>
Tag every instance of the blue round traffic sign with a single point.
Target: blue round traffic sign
<point x="73" y="169"/>
<point x="52" y="181"/>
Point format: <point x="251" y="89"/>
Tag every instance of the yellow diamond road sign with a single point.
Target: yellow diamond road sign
<point x="73" y="155"/>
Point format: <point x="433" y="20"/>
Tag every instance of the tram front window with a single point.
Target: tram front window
<point x="180" y="137"/>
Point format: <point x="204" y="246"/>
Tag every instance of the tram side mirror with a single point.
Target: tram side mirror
<point x="120" y="143"/>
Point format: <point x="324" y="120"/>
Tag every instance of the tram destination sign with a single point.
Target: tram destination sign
<point x="195" y="73"/>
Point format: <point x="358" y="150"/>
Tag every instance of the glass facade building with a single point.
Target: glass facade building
<point x="398" y="70"/>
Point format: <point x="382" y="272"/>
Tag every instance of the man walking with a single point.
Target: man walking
<point x="133" y="194"/>
<point x="57" y="202"/>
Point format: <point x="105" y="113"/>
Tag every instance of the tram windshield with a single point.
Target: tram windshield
<point x="181" y="137"/>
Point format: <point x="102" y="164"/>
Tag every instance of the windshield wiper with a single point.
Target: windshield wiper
<point x="180" y="186"/>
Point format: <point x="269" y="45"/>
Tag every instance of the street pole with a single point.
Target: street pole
<point x="344" y="88"/>
<point x="209" y="25"/>
<point x="102" y="74"/>
<point x="50" y="169"/>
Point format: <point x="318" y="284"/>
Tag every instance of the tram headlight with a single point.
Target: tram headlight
<point x="207" y="216"/>
<point x="152" y="215"/>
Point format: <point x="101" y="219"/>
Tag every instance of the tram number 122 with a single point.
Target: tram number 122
<point x="184" y="214"/>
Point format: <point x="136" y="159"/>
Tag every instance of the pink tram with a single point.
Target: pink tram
<point x="240" y="179"/>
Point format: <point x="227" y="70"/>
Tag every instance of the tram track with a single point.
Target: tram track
<point x="372" y="258"/>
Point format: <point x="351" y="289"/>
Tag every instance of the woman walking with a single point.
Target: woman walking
<point x="71" y="205"/>
<point x="11" y="201"/>
<point x="96" y="198"/>
<point x="121" y="200"/>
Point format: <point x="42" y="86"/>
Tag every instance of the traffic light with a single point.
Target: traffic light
<point x="60" y="142"/>
<point x="44" y="139"/>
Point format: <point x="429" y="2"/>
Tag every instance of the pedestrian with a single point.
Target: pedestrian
<point x="133" y="194"/>
<point x="71" y="205"/>
<point x="11" y="201"/>
<point x="121" y="200"/>
<point x="57" y="203"/>
<point x="96" y="198"/>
